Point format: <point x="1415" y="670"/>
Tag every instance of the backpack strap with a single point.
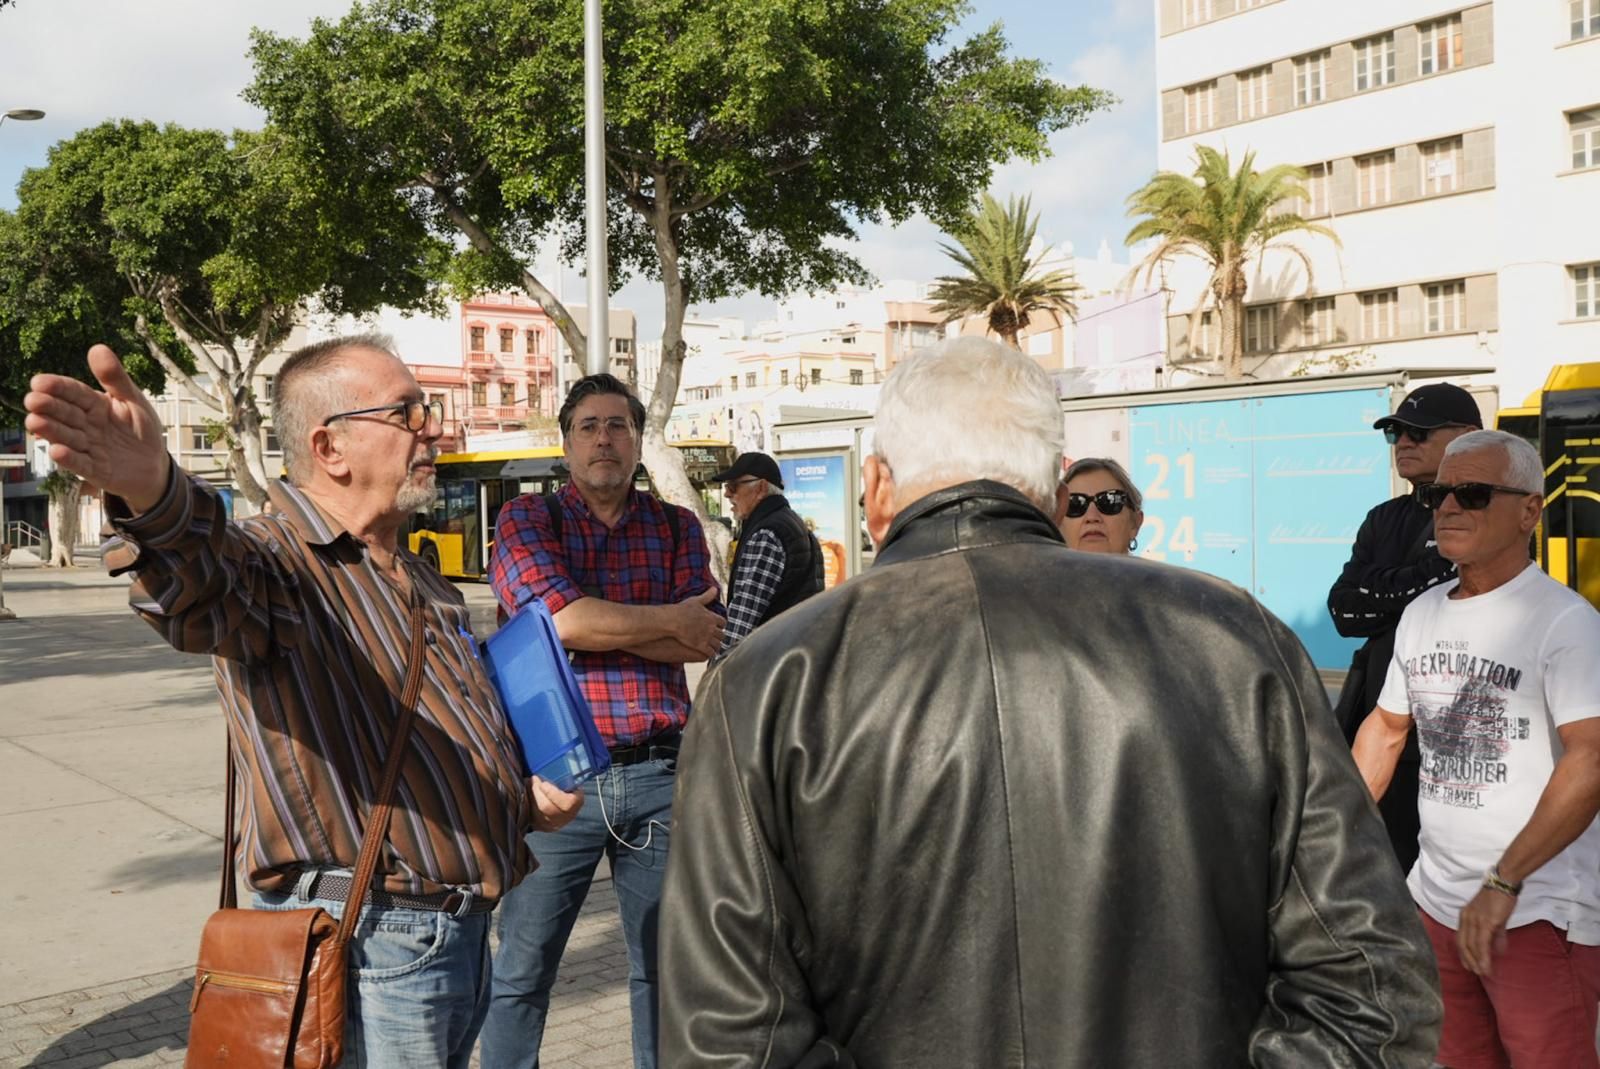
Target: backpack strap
<point x="552" y="505"/>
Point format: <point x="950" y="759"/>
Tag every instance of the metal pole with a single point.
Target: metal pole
<point x="5" y="613"/>
<point x="594" y="154"/>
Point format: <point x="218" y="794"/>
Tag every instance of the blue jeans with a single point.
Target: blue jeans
<point x="537" y="916"/>
<point x="420" y="984"/>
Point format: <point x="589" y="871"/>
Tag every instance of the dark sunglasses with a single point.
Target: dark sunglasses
<point x="1471" y="496"/>
<point x="1109" y="502"/>
<point x="1393" y="432"/>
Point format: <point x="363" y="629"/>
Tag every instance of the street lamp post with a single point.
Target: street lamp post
<point x="6" y="461"/>
<point x="594" y="159"/>
<point x="22" y="115"/>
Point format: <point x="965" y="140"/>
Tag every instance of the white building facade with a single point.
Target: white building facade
<point x="1454" y="148"/>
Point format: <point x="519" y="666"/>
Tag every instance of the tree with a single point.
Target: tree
<point x="745" y="139"/>
<point x="1228" y="219"/>
<point x="64" y="491"/>
<point x="1001" y="280"/>
<point x="202" y="250"/>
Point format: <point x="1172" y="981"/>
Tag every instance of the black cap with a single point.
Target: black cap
<point x="1435" y="405"/>
<point x="757" y="464"/>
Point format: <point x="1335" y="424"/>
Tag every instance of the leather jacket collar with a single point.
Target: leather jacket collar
<point x="979" y="513"/>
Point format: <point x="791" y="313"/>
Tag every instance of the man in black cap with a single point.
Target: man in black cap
<point x="779" y="562"/>
<point x="1394" y="559"/>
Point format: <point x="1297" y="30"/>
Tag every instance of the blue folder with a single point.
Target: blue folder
<point x="547" y="711"/>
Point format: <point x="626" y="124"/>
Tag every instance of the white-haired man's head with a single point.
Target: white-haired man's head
<point x="964" y="409"/>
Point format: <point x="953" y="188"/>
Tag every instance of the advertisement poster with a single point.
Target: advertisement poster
<point x="1265" y="492"/>
<point x="818" y="488"/>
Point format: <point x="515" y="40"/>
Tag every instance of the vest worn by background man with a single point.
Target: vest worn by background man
<point x="802" y="556"/>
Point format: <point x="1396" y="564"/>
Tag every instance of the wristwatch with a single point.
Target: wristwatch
<point x="1495" y="882"/>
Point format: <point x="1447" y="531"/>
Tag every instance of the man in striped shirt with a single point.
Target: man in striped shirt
<point x="306" y="613"/>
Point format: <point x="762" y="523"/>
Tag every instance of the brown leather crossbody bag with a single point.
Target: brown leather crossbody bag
<point x="269" y="986"/>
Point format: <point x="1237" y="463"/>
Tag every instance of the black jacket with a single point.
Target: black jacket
<point x="1394" y="560"/>
<point x="802" y="555"/>
<point x="997" y="803"/>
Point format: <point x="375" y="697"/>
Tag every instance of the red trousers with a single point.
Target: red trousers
<point x="1536" y="1010"/>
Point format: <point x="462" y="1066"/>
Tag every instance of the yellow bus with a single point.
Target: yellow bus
<point x="457" y="535"/>
<point x="1562" y="421"/>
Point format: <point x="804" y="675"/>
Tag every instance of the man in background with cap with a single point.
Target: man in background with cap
<point x="779" y="562"/>
<point x="1395" y="559"/>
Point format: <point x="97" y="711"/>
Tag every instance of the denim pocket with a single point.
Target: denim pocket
<point x="392" y="943"/>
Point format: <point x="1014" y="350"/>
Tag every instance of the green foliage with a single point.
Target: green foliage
<point x="1227" y="219"/>
<point x="999" y="279"/>
<point x="59" y="483"/>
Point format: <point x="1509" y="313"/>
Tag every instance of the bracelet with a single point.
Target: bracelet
<point x="1495" y="882"/>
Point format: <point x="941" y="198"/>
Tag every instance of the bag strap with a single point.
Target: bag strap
<point x="378" y="825"/>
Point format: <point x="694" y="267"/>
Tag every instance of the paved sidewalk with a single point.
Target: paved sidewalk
<point x="111" y="762"/>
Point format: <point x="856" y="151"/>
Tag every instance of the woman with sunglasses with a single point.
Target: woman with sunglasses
<point x="1103" y="507"/>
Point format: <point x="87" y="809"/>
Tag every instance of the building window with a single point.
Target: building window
<point x="531" y="338"/>
<point x="1441" y="164"/>
<point x="783" y="377"/>
<point x="1315" y="202"/>
<point x="1196" y="11"/>
<point x="1374" y="179"/>
<point x="855" y="378"/>
<point x="266" y="388"/>
<point x="477" y="339"/>
<point x="623" y="345"/>
<point x="1585" y="129"/>
<point x="1309" y="73"/>
<point x="506" y="336"/>
<point x="1204" y="337"/>
<point x="1585" y="18"/>
<point x="508" y="393"/>
<point x="271" y="436"/>
<point x="1261" y="329"/>
<point x="1200" y="107"/>
<point x="733" y="383"/>
<point x="199" y="441"/>
<point x="437" y="399"/>
<point x="480" y="394"/>
<point x="838" y="305"/>
<point x="1439" y="44"/>
<point x="1585" y="290"/>
<point x="1255" y="93"/>
<point x="1374" y="62"/>
<point x="1443" y="301"/>
<point x="816" y="376"/>
<point x="749" y="379"/>
<point x="1378" y="314"/>
<point x="1316" y="321"/>
<point x="848" y="339"/>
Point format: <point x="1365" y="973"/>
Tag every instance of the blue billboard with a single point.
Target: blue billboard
<point x="1265" y="492"/>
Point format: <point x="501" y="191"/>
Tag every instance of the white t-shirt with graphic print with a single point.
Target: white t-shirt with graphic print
<point x="1487" y="680"/>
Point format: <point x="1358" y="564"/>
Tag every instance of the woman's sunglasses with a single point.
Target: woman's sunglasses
<point x="1109" y="502"/>
<point x="1470" y="496"/>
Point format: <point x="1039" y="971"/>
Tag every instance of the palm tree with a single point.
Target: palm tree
<point x="1001" y="281"/>
<point x="1228" y="219"/>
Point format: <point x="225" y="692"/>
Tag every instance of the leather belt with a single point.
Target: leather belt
<point x="459" y="903"/>
<point x="649" y="750"/>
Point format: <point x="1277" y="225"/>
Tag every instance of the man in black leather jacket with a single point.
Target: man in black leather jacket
<point x="1394" y="559"/>
<point x="998" y="803"/>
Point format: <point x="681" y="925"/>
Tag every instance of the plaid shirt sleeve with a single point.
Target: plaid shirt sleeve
<point x="528" y="562"/>
<point x="752" y="586"/>
<point x="691" y="568"/>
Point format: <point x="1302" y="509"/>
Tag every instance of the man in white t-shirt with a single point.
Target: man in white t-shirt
<point x="1500" y="672"/>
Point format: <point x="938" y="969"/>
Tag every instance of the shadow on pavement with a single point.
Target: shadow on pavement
<point x="157" y="1022"/>
<point x="202" y="861"/>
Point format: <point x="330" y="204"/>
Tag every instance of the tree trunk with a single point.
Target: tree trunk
<point x="1231" y="311"/>
<point x="251" y="474"/>
<point x="666" y="463"/>
<point x="63" y="521"/>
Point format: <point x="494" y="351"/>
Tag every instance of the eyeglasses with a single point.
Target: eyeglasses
<point x="616" y="427"/>
<point x="1393" y="432"/>
<point x="1109" y="502"/>
<point x="1471" y="496"/>
<point x="417" y="413"/>
<point x="739" y="484"/>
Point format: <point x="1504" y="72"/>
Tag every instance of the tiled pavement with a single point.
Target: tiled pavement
<point x="145" y="1021"/>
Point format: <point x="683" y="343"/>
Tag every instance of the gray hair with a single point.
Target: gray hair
<point x="1524" y="469"/>
<point x="306" y="391"/>
<point x="1111" y="468"/>
<point x="971" y="408"/>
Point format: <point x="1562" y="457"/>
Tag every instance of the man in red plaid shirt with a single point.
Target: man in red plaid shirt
<point x="630" y="587"/>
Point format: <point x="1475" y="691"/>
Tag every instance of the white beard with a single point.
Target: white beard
<point x="415" y="498"/>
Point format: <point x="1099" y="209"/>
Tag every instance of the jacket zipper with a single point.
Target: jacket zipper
<point x="242" y="983"/>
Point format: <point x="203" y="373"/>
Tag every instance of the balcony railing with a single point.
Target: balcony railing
<point x="498" y="413"/>
<point x="480" y="360"/>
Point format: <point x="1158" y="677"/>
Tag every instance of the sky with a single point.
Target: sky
<point x="184" y="61"/>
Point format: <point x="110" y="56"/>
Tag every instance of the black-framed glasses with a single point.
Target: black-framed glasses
<point x="1109" y="502"/>
<point x="739" y="484"/>
<point x="1470" y="496"/>
<point x="1393" y="432"/>
<point x="417" y="413"/>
